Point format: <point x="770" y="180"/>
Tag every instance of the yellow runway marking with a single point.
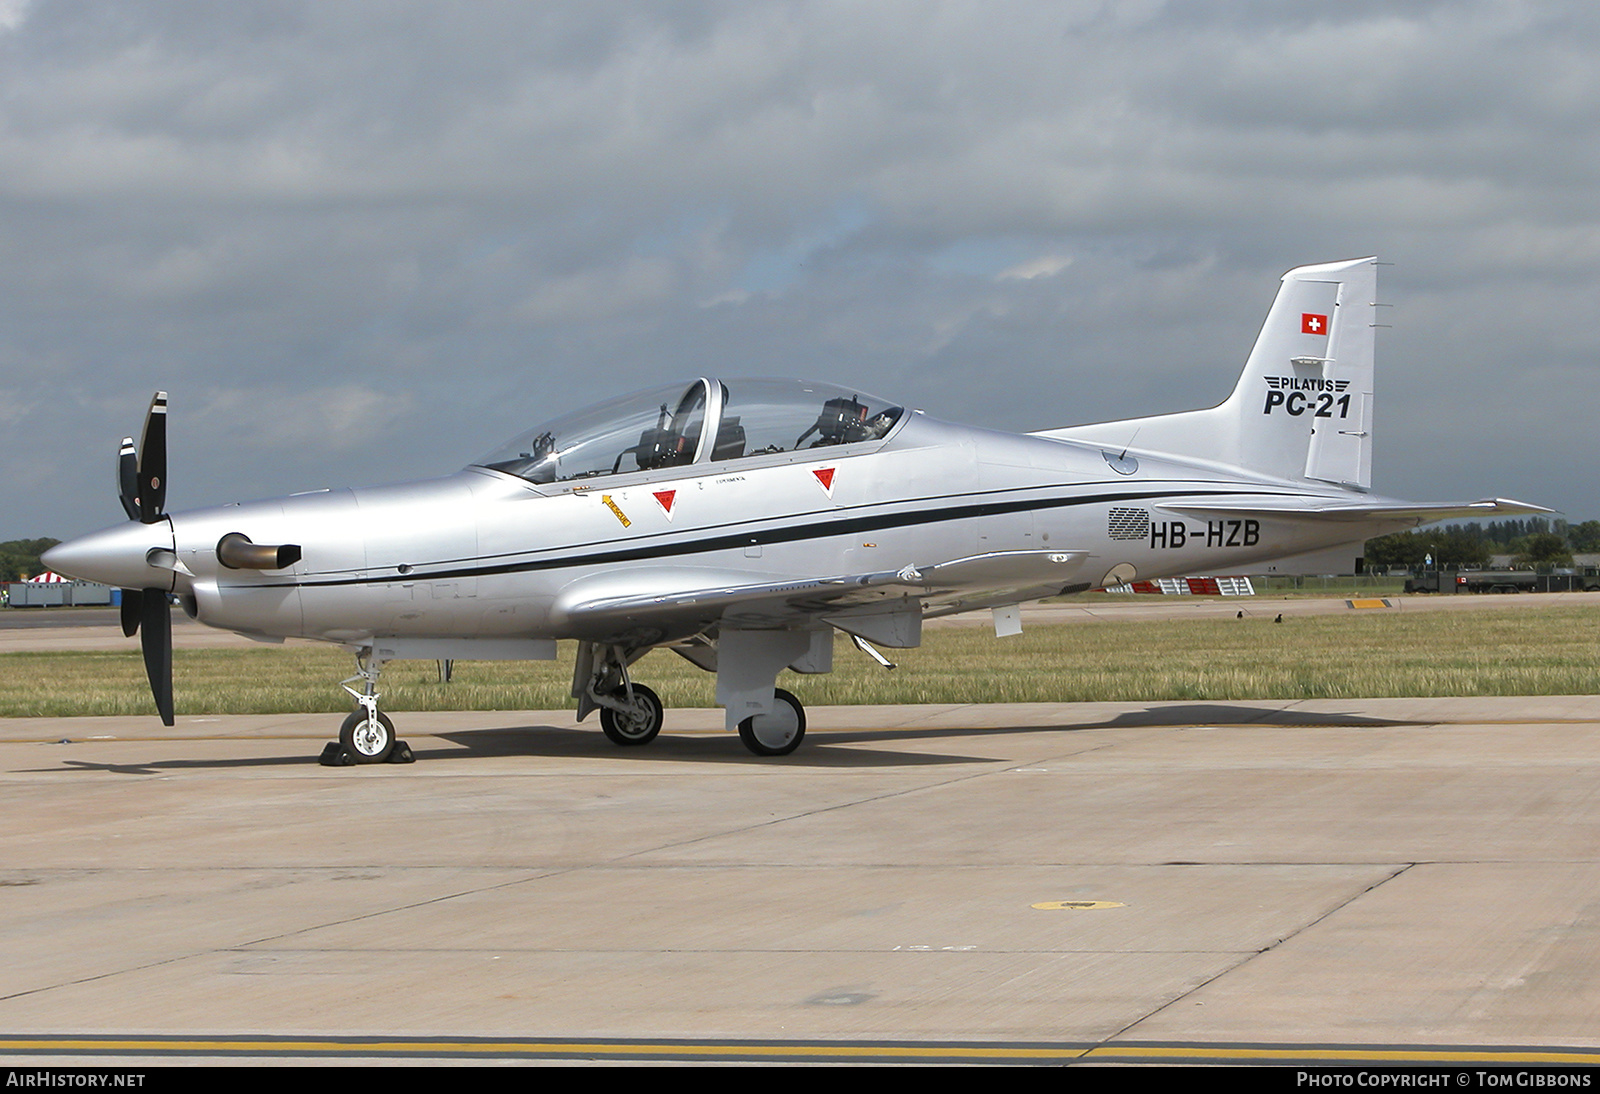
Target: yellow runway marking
<point x="754" y="1050"/>
<point x="1344" y="1054"/>
<point x="908" y="1052"/>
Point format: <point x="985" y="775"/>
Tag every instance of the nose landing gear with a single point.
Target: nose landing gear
<point x="367" y="735"/>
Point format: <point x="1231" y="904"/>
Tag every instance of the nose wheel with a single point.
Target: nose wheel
<point x="778" y="733"/>
<point x="367" y="740"/>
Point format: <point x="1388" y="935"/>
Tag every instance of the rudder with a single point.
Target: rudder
<point x="1303" y="405"/>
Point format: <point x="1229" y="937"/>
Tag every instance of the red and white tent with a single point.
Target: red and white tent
<point x="49" y="577"/>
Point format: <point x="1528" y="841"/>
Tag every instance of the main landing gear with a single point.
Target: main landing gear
<point x="637" y="721"/>
<point x="632" y="714"/>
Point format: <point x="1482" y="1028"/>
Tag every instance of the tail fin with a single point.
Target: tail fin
<point x="1302" y="408"/>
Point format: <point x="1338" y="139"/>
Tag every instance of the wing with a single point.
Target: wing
<point x="662" y="604"/>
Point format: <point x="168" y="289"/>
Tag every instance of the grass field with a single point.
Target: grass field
<point x="1356" y="655"/>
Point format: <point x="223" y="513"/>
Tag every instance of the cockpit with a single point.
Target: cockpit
<point x="706" y="421"/>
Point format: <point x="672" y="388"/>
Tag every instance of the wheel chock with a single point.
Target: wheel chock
<point x="334" y="755"/>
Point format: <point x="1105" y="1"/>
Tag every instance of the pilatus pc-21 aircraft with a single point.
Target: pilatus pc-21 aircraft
<point x="740" y="523"/>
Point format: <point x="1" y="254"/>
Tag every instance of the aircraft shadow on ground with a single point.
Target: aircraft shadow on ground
<point x="824" y="748"/>
<point x="821" y="749"/>
<point x="828" y="748"/>
<point x="553" y="743"/>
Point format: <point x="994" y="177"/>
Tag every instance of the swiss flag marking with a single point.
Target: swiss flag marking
<point x="825" y="477"/>
<point x="1313" y="324"/>
<point x="664" y="498"/>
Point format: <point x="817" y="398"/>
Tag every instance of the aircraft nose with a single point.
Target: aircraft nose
<point x="127" y="556"/>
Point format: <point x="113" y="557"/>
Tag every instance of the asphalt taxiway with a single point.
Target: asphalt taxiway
<point x="1027" y="883"/>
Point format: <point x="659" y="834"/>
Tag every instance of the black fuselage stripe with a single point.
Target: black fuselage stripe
<point x="761" y="537"/>
<point x="1169" y="488"/>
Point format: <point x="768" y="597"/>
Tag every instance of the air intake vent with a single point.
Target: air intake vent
<point x="1130" y="523"/>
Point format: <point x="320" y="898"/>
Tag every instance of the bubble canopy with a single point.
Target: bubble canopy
<point x="702" y="421"/>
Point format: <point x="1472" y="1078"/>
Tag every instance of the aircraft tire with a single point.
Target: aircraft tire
<point x="638" y="726"/>
<point x="364" y="747"/>
<point x="778" y="733"/>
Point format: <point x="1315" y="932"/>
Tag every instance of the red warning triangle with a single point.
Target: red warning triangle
<point x="664" y="499"/>
<point x="825" y="477"/>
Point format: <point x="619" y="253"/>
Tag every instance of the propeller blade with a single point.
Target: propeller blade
<point x="153" y="461"/>
<point x="132" y="608"/>
<point x="128" y="479"/>
<point x="155" y="637"/>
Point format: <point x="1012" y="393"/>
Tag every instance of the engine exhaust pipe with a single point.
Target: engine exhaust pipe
<point x="236" y="552"/>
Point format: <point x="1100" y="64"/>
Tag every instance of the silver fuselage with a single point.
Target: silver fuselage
<point x="483" y="554"/>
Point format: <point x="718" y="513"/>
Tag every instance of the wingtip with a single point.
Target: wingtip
<point x="1511" y="506"/>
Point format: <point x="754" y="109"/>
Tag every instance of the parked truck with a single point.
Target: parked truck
<point x="1500" y="581"/>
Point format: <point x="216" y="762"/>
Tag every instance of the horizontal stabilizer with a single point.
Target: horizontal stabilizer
<point x="1355" y="510"/>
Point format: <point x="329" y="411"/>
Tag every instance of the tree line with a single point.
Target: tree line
<point x="1535" y="541"/>
<point x="19" y="558"/>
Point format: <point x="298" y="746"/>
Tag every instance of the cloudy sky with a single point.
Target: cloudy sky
<point x="364" y="242"/>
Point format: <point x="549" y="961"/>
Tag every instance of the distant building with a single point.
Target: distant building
<point x="51" y="590"/>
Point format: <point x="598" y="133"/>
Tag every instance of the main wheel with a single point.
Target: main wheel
<point x="639" y="724"/>
<point x="778" y="733"/>
<point x="367" y="744"/>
